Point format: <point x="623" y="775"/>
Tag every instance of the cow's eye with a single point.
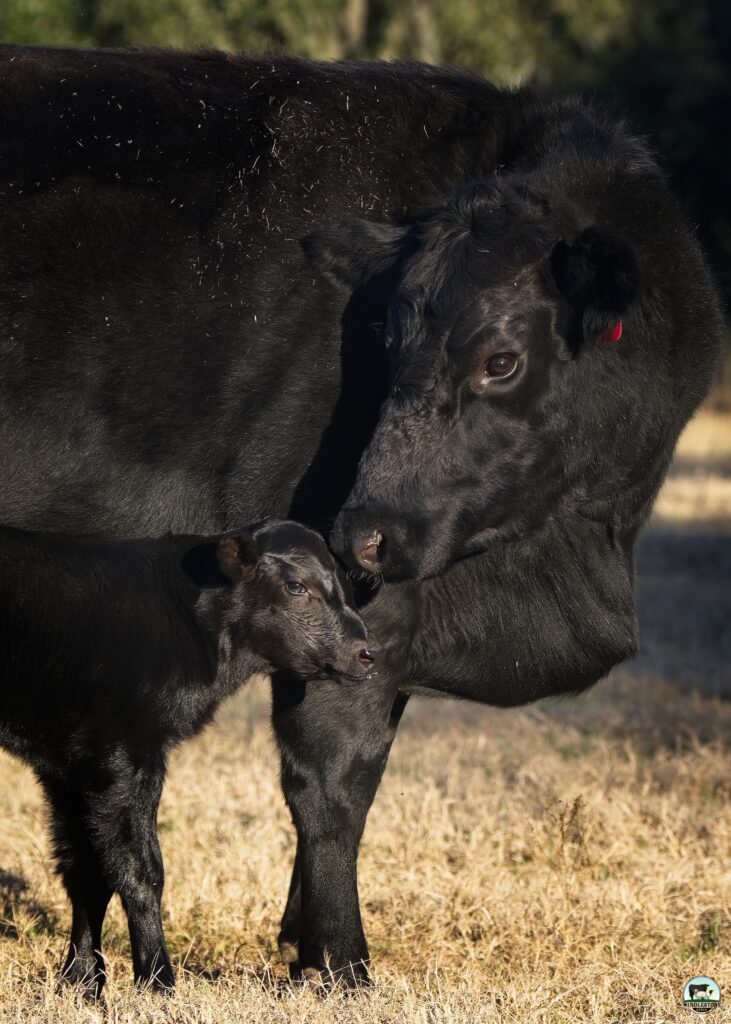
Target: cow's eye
<point x="296" y="587"/>
<point x="501" y="364"/>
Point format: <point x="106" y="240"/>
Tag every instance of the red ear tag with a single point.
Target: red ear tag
<point x="612" y="333"/>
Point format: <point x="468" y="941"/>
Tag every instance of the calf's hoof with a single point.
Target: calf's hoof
<point x="350" y="978"/>
<point x="289" y="953"/>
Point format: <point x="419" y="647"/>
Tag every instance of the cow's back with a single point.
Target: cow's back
<point x="168" y="359"/>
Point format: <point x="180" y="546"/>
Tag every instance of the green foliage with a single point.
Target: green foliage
<point x="40" y="21"/>
<point x="665" y="62"/>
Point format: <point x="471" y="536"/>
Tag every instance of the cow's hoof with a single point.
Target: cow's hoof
<point x="161" y="986"/>
<point x="86" y="976"/>
<point x="161" y="981"/>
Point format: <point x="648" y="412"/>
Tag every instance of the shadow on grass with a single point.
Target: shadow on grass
<point x="684" y="607"/>
<point x="16" y="902"/>
<point x="651" y="714"/>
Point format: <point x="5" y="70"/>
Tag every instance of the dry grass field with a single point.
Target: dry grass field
<point x="566" y="863"/>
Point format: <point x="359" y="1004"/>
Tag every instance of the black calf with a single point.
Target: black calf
<point x="111" y="653"/>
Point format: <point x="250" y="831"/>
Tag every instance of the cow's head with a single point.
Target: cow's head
<point x="508" y="401"/>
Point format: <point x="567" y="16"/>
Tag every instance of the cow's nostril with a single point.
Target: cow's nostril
<point x="367" y="549"/>
<point x="366" y="657"/>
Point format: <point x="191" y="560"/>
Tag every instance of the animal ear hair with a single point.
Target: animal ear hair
<point x="353" y="251"/>
<point x="237" y="555"/>
<point x="598" y="275"/>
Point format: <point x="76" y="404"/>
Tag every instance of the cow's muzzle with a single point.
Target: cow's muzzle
<point x="373" y="542"/>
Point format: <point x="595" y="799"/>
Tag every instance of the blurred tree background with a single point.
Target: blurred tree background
<point x="663" y="64"/>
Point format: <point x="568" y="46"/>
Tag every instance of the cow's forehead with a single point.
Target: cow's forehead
<point x="465" y="306"/>
<point x="507" y="313"/>
<point x="458" y="262"/>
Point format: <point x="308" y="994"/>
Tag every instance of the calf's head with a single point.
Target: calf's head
<point x="508" y="399"/>
<point x="290" y="603"/>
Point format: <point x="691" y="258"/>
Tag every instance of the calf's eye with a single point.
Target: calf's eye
<point x="295" y="587"/>
<point x="501" y="364"/>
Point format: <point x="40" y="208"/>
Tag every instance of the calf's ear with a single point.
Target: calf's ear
<point x="237" y="555"/>
<point x="598" y="275"/>
<point x="354" y="251"/>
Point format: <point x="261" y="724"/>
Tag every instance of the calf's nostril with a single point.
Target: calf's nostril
<point x="366" y="657"/>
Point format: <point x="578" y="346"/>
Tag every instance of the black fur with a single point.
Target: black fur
<point x="113" y="652"/>
<point x="173" y="358"/>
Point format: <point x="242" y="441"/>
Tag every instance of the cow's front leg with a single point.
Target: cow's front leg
<point x="334" y="740"/>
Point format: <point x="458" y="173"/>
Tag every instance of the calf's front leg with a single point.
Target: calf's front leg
<point x="86" y="887"/>
<point x="124" y="821"/>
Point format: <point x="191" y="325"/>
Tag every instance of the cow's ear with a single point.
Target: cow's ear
<point x="599" y="276"/>
<point x="354" y="251"/>
<point x="237" y="555"/>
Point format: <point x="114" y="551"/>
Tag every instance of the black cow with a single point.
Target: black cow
<point x="701" y="991"/>
<point x="172" y="358"/>
<point x="112" y="652"/>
